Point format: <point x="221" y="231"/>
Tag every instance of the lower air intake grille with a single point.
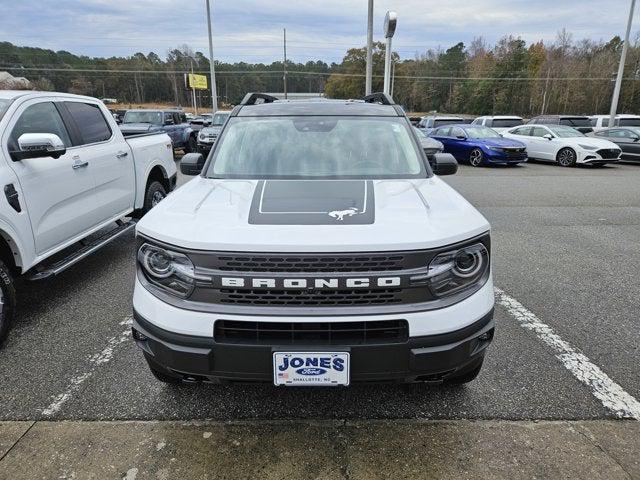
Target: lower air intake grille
<point x="316" y="333"/>
<point x="310" y="298"/>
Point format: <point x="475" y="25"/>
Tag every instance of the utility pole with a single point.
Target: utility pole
<point x="214" y="95"/>
<point x="369" y="69"/>
<point x="544" y="93"/>
<point x="623" y="57"/>
<point x="193" y="91"/>
<point x="284" y="64"/>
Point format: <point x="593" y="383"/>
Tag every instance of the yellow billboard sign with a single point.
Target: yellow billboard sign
<point x="199" y="82"/>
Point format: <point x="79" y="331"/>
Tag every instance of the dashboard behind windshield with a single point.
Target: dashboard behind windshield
<point x="155" y="118"/>
<point x="306" y="147"/>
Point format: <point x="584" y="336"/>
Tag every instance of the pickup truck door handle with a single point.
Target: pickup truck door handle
<point x="121" y="154"/>
<point x="79" y="164"/>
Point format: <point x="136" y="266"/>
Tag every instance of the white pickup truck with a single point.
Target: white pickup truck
<point x="67" y="175"/>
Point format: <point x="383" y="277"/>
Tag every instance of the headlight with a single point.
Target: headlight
<point x="587" y="147"/>
<point x="497" y="149"/>
<point x="171" y="271"/>
<point x="457" y="270"/>
<point x="200" y="136"/>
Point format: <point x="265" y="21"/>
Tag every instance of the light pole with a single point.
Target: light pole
<point x="390" y="21"/>
<point x="623" y="57"/>
<point x="214" y="95"/>
<point x="369" y="69"/>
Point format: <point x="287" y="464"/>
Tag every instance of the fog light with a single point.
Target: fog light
<point x="139" y="336"/>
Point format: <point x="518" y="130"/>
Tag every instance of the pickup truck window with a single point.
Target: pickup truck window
<point x="40" y="118"/>
<point x="4" y="105"/>
<point x="303" y="147"/>
<point x="90" y="121"/>
<point x="154" y="118"/>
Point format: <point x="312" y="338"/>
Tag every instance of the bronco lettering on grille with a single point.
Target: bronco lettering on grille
<point x="315" y="283"/>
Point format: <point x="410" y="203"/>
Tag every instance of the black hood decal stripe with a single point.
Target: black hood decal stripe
<point x="313" y="202"/>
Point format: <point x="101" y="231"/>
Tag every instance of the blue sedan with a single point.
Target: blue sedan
<point x="480" y="145"/>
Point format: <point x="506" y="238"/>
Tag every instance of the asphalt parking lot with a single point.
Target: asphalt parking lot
<point x="565" y="258"/>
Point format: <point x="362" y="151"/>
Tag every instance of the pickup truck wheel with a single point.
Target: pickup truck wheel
<point x="7" y="301"/>
<point x="468" y="375"/>
<point x="192" y="145"/>
<point x="154" y="195"/>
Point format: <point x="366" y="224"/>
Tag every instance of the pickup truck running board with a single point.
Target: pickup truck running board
<point x="87" y="249"/>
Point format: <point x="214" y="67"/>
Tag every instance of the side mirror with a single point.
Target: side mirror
<point x="548" y="136"/>
<point x="36" y="145"/>
<point x="168" y="121"/>
<point x="192" y="163"/>
<point x="444" y="164"/>
<point x="635" y="139"/>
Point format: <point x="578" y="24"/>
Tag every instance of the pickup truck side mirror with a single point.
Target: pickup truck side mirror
<point x="36" y="145"/>
<point x="444" y="164"/>
<point x="168" y="121"/>
<point x="192" y="163"/>
<point x="548" y="136"/>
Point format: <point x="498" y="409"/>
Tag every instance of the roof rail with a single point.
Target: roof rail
<point x="379" y="97"/>
<point x="252" y="98"/>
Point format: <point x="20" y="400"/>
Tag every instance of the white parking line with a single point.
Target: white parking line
<point x="94" y="362"/>
<point x="612" y="395"/>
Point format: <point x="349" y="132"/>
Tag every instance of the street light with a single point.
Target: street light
<point x="214" y="95"/>
<point x="623" y="56"/>
<point x="390" y="21"/>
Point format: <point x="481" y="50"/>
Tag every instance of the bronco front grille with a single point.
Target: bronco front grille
<point x="311" y="333"/>
<point x="328" y="298"/>
<point x="311" y="264"/>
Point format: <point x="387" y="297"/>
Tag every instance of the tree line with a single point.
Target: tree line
<point x="510" y="77"/>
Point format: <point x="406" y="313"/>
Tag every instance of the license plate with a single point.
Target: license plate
<point x="311" y="368"/>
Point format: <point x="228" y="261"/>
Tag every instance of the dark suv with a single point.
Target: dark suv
<point x="579" y="122"/>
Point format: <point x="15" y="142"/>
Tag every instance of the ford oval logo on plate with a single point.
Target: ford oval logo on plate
<point x="311" y="371"/>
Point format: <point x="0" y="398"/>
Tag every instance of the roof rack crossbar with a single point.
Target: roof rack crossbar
<point x="253" y="97"/>
<point x="379" y="97"/>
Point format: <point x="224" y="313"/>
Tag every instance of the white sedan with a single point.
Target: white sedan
<point x="564" y="145"/>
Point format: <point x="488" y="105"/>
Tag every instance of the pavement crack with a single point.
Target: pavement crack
<point x="588" y="438"/>
<point x="18" y="440"/>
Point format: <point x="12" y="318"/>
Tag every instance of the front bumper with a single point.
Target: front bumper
<point x="493" y="156"/>
<point x="431" y="358"/>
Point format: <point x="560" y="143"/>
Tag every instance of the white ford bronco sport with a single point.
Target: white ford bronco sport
<point x="316" y="247"/>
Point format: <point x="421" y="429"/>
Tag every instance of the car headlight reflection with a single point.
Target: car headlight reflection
<point x="169" y="270"/>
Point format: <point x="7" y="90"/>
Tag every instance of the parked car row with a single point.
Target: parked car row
<point x="567" y="140"/>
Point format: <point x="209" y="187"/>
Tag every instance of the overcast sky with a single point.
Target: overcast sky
<point x="251" y="30"/>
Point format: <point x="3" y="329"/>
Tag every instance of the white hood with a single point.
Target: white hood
<point x="210" y="214"/>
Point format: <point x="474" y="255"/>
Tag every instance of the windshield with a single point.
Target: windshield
<point x="565" y="132"/>
<point x="4" y="105"/>
<point x="507" y="122"/>
<point x="439" y="123"/>
<point x="305" y="147"/>
<point x="623" y="122"/>
<point x="219" y="119"/>
<point x="575" y="122"/>
<point x="155" y="118"/>
<point x="481" y="132"/>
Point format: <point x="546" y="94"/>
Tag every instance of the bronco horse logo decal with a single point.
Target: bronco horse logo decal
<point x="340" y="214"/>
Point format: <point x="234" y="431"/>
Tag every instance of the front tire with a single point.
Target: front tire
<point x="7" y="301"/>
<point x="476" y="157"/>
<point x="192" y="145"/>
<point x="566" y="157"/>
